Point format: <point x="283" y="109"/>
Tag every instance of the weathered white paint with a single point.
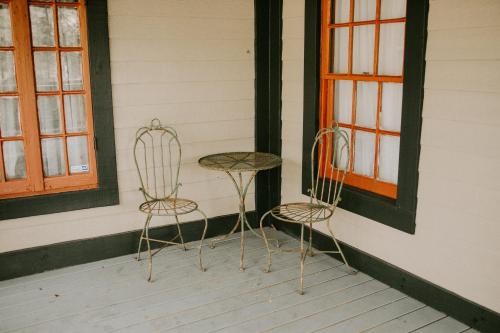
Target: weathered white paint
<point x="457" y="240"/>
<point x="189" y="63"/>
<point x="97" y="297"/>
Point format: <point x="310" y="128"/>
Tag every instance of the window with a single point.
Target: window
<point x="45" y="100"/>
<point x="57" y="148"/>
<point x="364" y="64"/>
<point x="362" y="85"/>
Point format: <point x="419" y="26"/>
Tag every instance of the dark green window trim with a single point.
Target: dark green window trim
<point x="100" y="73"/>
<point x="399" y="213"/>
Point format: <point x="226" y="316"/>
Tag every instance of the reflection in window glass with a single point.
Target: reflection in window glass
<point x="7" y="72"/>
<point x="391" y="49"/>
<point x="45" y="71"/>
<point x="342" y="101"/>
<point x="74" y="109"/>
<point x="53" y="157"/>
<point x="49" y="115"/>
<point x="78" y="156"/>
<point x="71" y="63"/>
<point x="42" y="26"/>
<point x="366" y="104"/>
<point x="69" y="26"/>
<point x="14" y="162"/>
<point x="9" y="117"/>
<point x="365" y="10"/>
<point x="5" y="26"/>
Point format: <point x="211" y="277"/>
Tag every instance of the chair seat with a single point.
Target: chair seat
<point x="168" y="206"/>
<point x="302" y="212"/>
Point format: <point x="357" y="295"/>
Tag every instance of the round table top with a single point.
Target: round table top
<point x="240" y="161"/>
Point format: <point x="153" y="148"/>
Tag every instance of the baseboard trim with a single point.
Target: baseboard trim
<point x="48" y="257"/>
<point x="466" y="311"/>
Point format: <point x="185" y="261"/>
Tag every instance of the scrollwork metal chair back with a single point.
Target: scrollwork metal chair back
<point x="157" y="156"/>
<point x="330" y="156"/>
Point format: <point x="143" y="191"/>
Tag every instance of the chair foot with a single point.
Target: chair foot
<point x="351" y="271"/>
<point x="301" y="292"/>
<point x="242" y="269"/>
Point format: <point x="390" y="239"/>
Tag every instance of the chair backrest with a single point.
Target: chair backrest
<point x="157" y="156"/>
<point x="330" y="157"/>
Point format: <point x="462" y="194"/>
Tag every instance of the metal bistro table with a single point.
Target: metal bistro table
<point x="236" y="163"/>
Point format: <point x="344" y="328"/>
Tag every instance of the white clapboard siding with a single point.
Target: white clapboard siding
<point x="189" y="63"/>
<point x="459" y="187"/>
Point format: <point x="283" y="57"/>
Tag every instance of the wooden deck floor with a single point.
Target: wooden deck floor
<point x="113" y="295"/>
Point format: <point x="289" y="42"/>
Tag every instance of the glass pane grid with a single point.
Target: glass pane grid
<point x="61" y="108"/>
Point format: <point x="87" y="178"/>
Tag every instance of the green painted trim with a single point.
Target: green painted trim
<point x="468" y="312"/>
<point x="268" y="71"/>
<point x="107" y="192"/>
<point x="43" y="258"/>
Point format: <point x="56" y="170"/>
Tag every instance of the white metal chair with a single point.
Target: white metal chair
<point x="157" y="156"/>
<point x="330" y="156"/>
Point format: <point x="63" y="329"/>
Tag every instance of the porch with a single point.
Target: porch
<point x="113" y="295"/>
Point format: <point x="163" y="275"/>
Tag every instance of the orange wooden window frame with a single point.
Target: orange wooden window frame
<point x="36" y="182"/>
<point x="327" y="85"/>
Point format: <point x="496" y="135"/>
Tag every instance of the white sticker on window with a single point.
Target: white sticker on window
<point x="79" y="168"/>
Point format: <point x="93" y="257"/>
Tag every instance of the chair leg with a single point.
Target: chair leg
<point x="242" y="243"/>
<point x="150" y="256"/>
<point x="350" y="270"/>
<point x="269" y="253"/>
<point x="138" y="258"/>
<point x="311" y="253"/>
<point x="203" y="269"/>
<point x="180" y="233"/>
<point x="303" y="255"/>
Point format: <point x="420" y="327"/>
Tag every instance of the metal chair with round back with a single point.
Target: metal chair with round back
<point x="330" y="158"/>
<point x="157" y="156"/>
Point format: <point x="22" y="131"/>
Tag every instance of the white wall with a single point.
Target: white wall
<point x="457" y="239"/>
<point x="189" y="63"/>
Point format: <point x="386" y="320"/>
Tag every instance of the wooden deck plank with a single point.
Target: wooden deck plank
<point x="409" y="322"/>
<point x="242" y="301"/>
<point x="323" y="316"/>
<point x="445" y="325"/>
<point x="113" y="295"/>
<point x="79" y="298"/>
<point x="374" y="317"/>
<point x="260" y="316"/>
<point x="174" y="301"/>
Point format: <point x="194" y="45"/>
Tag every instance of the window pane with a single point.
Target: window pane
<point x="14" y="162"/>
<point x="7" y="71"/>
<point x="9" y="117"/>
<point x="393" y="9"/>
<point x="342" y="152"/>
<point x="72" y="70"/>
<point x="341" y="50"/>
<point x="69" y="26"/>
<point x="5" y="27"/>
<point x="67" y="0"/>
<point x="365" y="10"/>
<point x="53" y="157"/>
<point x="46" y="71"/>
<point x="341" y="11"/>
<point x="42" y="25"/>
<point x="366" y="104"/>
<point x="391" y="49"/>
<point x="78" y="156"/>
<point x="388" y="159"/>
<point x="342" y="103"/>
<point x="74" y="108"/>
<point x="49" y="114"/>
<point x="392" y="104"/>
<point x="363" y="49"/>
<point x="364" y="153"/>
